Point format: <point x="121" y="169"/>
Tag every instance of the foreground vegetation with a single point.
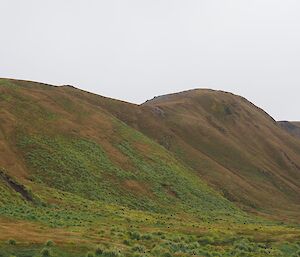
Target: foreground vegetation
<point x="64" y="224"/>
<point x="142" y="239"/>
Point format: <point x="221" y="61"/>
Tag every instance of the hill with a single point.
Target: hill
<point x="165" y="177"/>
<point x="291" y="127"/>
<point x="230" y="143"/>
<point x="51" y="137"/>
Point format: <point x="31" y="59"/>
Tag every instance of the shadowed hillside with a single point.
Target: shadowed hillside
<point x="291" y="127"/>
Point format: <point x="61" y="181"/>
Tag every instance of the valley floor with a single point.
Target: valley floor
<point x="111" y="231"/>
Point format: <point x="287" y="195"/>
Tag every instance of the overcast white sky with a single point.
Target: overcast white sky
<point x="136" y="49"/>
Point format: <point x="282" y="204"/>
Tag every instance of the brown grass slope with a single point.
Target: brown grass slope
<point x="226" y="140"/>
<point x="229" y="142"/>
<point x="29" y="106"/>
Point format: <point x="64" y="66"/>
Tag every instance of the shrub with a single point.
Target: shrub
<point x="134" y="235"/>
<point x="12" y="242"/>
<point x="126" y="242"/>
<point x="243" y="245"/>
<point x="46" y="252"/>
<point x="146" y="237"/>
<point x="49" y="243"/>
<point x="99" y="250"/>
<point x="138" y="248"/>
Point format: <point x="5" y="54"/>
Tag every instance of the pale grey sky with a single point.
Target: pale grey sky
<point x="136" y="49"/>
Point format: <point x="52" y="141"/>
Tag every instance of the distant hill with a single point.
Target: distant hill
<point x="291" y="127"/>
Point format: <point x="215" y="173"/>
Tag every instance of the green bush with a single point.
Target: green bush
<point x="243" y="245"/>
<point x="49" y="243"/>
<point x="138" y="248"/>
<point x="99" y="250"/>
<point x="134" y="235"/>
<point x="46" y="252"/>
<point x="146" y="237"/>
<point x="126" y="242"/>
<point x="12" y="242"/>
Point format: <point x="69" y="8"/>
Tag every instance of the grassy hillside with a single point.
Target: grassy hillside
<point x="93" y="174"/>
<point x="70" y="145"/>
<point x="230" y="143"/>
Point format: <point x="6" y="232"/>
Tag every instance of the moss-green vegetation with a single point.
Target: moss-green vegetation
<point x="73" y="165"/>
<point x="82" y="167"/>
